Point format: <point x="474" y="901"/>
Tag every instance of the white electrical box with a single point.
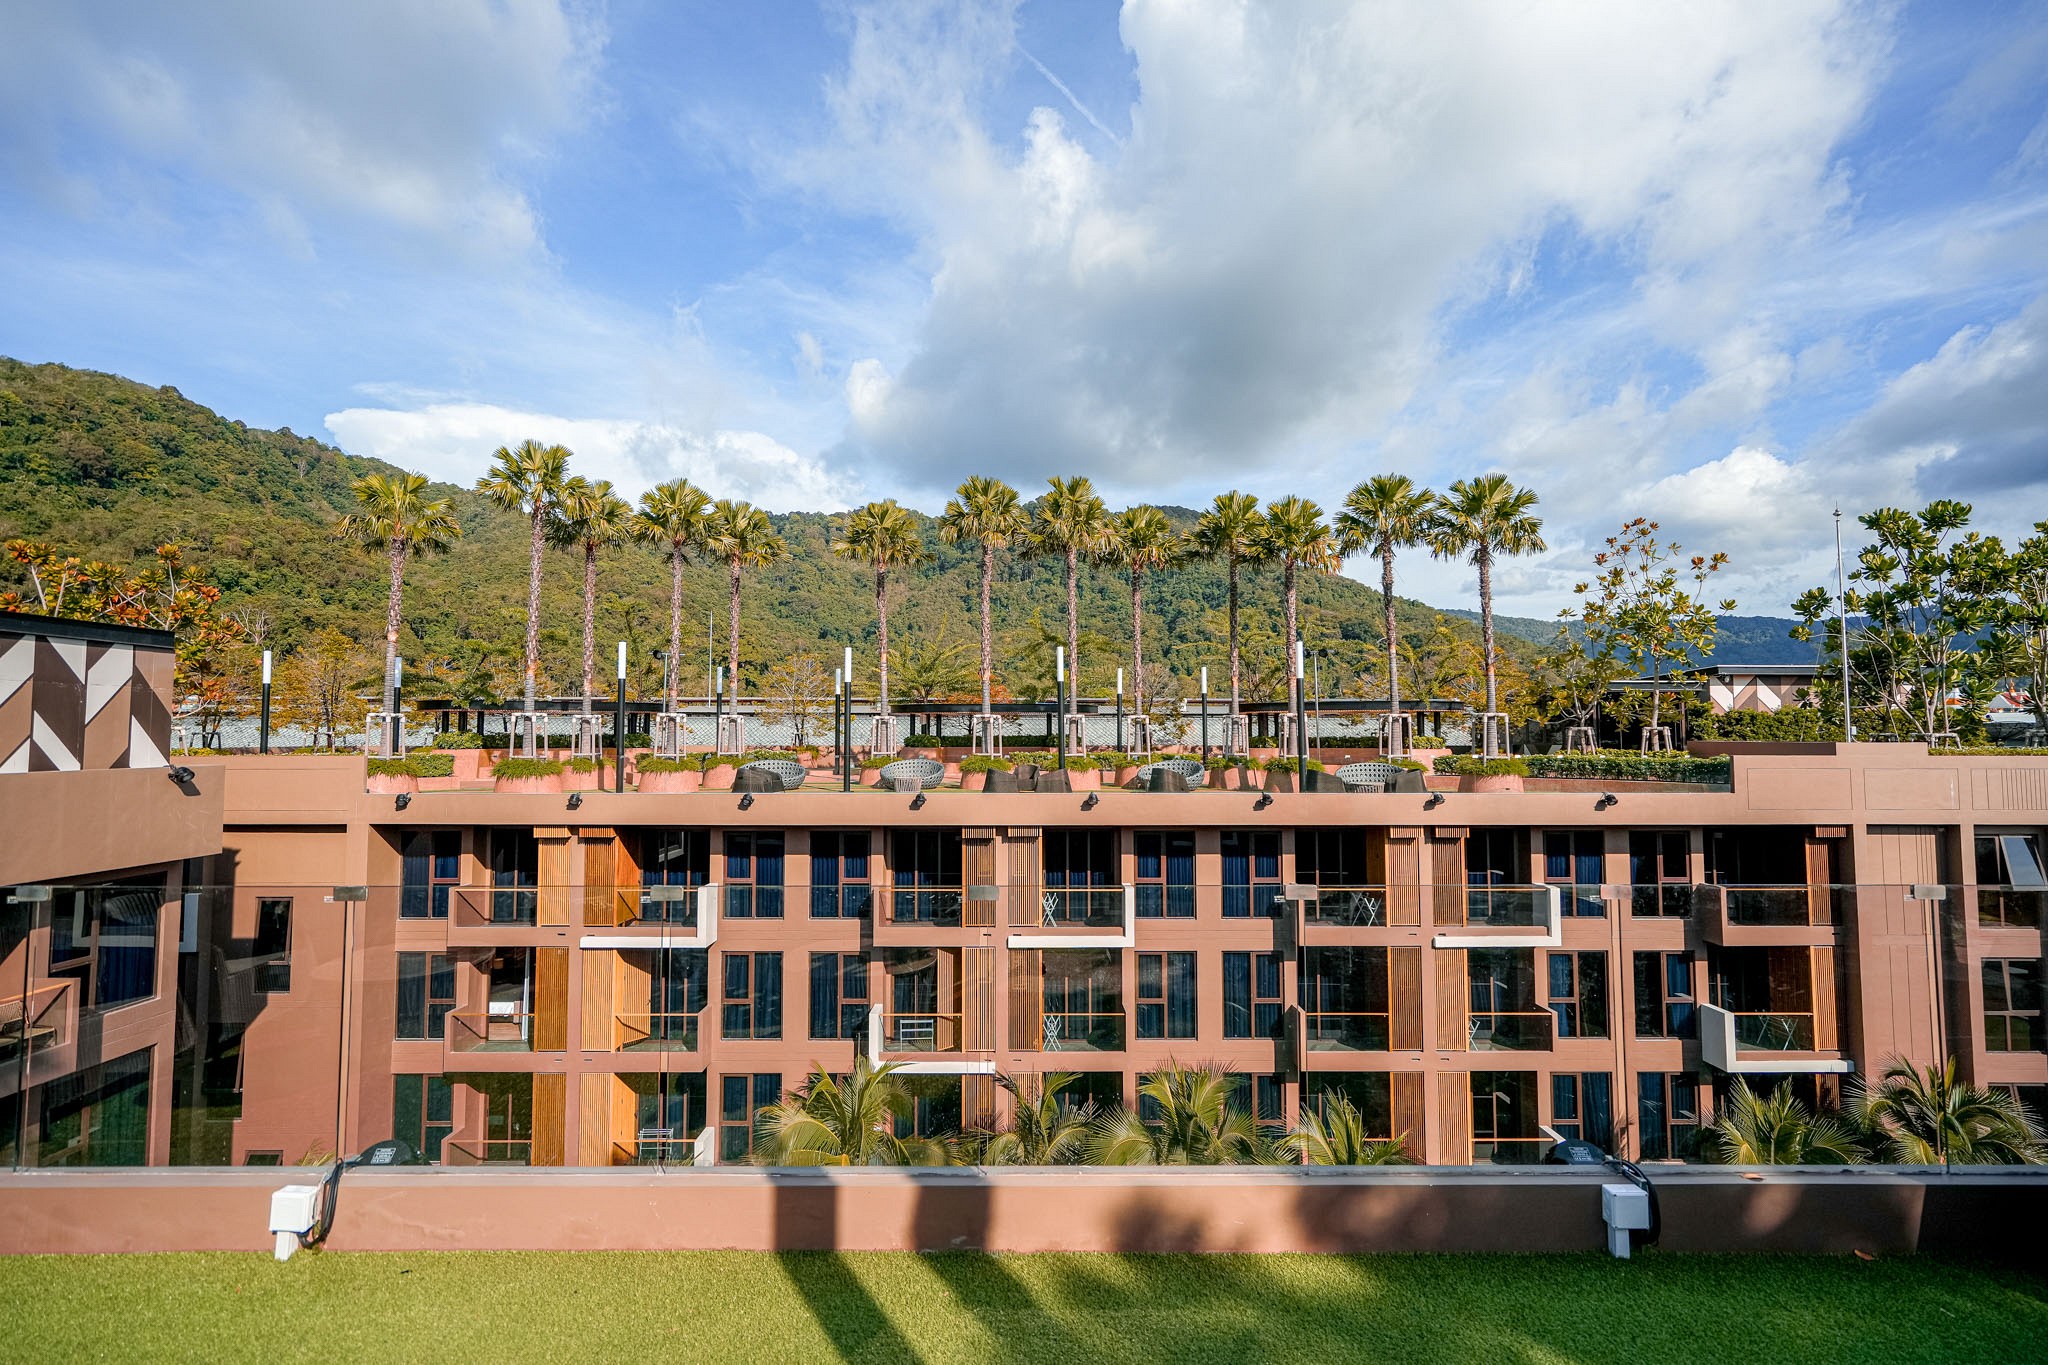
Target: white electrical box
<point x="1625" y="1209"/>
<point x="293" y="1212"/>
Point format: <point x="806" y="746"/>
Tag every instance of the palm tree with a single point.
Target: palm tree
<point x="1384" y="514"/>
<point x="845" y="1121"/>
<point x="1045" y="1130"/>
<point x="1140" y="539"/>
<point x="529" y="480"/>
<point x="985" y="511"/>
<point x="1298" y="537"/>
<point x="1232" y="530"/>
<point x="1481" y="519"/>
<point x="1071" y="522"/>
<point x="1200" y="1123"/>
<point x="741" y="535"/>
<point x="1778" y="1130"/>
<point x="883" y="536"/>
<point x="1337" y="1135"/>
<point x="672" y="515"/>
<point x="395" y="515"/>
<point x="1928" y="1118"/>
<point x="594" y="518"/>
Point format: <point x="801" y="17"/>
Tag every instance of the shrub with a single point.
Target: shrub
<point x="1412" y="765"/>
<point x="585" y="765"/>
<point x="432" y="765"/>
<point x="639" y="739"/>
<point x="1625" y="766"/>
<point x="711" y="761"/>
<point x="458" y="739"/>
<point x="688" y="763"/>
<point x="1793" y="725"/>
<point x="1288" y="765"/>
<point x="392" y="767"/>
<point x="1465" y="765"/>
<point x="878" y="761"/>
<point x="1218" y="762"/>
<point x="527" y="767"/>
<point x="984" y="763"/>
<point x="1994" y="751"/>
<point x="929" y="742"/>
<point x="1077" y="763"/>
<point x="784" y="755"/>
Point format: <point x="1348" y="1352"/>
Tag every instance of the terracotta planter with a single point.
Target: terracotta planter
<point x="974" y="781"/>
<point x="593" y="781"/>
<point x="1127" y="773"/>
<point x="388" y="784"/>
<point x="1497" y="782"/>
<point x="528" y="786"/>
<point x="719" y="778"/>
<point x="469" y="763"/>
<point x="1237" y="779"/>
<point x="871" y="777"/>
<point x="685" y="781"/>
<point x="1084" y="779"/>
<point x="953" y="773"/>
<point x="440" y="784"/>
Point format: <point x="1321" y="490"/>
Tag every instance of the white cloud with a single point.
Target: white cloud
<point x="453" y="442"/>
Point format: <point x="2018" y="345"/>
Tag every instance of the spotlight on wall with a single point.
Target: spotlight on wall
<point x="180" y="775"/>
<point x="1265" y="800"/>
<point x="575" y="800"/>
<point x="917" y="801"/>
<point x="747" y="801"/>
<point x="1094" y="800"/>
<point x="401" y="801"/>
<point x="1435" y="799"/>
<point x="1606" y="799"/>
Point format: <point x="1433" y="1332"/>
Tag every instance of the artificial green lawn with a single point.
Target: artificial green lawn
<point x="726" y="1306"/>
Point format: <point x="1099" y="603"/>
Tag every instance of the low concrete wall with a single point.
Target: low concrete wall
<point x="1878" y="1210"/>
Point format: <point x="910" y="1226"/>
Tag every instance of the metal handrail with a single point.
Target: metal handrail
<point x="1313" y="1025"/>
<point x="937" y="906"/>
<point x="687" y="1040"/>
<point x="490" y="1033"/>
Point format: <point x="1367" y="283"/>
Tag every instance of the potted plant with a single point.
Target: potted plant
<point x="1228" y="772"/>
<point x="719" y="770"/>
<point x="1082" y="773"/>
<point x="528" y="775"/>
<point x="435" y="771"/>
<point x="685" y="774"/>
<point x="584" y="775"/>
<point x="871" y="770"/>
<point x="1484" y="774"/>
<point x="975" y="768"/>
<point x="390" y="775"/>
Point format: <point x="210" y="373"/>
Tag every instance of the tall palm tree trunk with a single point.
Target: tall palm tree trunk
<point x="1073" y="622"/>
<point x="675" y="627"/>
<point x="1485" y="561"/>
<point x="1235" y="669"/>
<point x="882" y="635"/>
<point x="533" y="606"/>
<point x="988" y="647"/>
<point x="1138" y="641"/>
<point x="732" y="632"/>
<point x="394" y="611"/>
<point x="589" y="623"/>
<point x="1293" y="633"/>
<point x="1387" y="606"/>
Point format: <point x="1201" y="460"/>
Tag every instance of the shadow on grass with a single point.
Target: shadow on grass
<point x="806" y="1242"/>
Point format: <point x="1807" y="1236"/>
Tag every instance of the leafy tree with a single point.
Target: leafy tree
<point x="883" y="536"/>
<point x="986" y="512"/>
<point x="1297" y="536"/>
<point x="395" y="515"/>
<point x="1139" y="540"/>
<point x="1483" y="519"/>
<point x="529" y="480"/>
<point x="1638" y="608"/>
<point x="316" y="684"/>
<point x="1070" y="522"/>
<point x="1199" y="1123"/>
<point x="739" y="534"/>
<point x="1338" y="1135"/>
<point x="1576" y="679"/>
<point x="1779" y="1130"/>
<point x="845" y="1121"/>
<point x="594" y="518"/>
<point x="931" y="667"/>
<point x="1045" y="1128"/>
<point x="1927" y="1117"/>
<point x="1234" y="531"/>
<point x="673" y="515"/>
<point x="1384" y="514"/>
<point x="2019" y="642"/>
<point x="798" y="694"/>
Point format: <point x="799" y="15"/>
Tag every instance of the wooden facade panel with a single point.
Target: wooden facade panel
<point x="550" y="1113"/>
<point x="550" y="999"/>
<point x="1451" y="1027"/>
<point x="1404" y="998"/>
<point x="595" y="1034"/>
<point x="1410" y="1123"/>
<point x="1027" y="1000"/>
<point x="1454" y="1120"/>
<point x="978" y="868"/>
<point x="557" y="876"/>
<point x="978" y="1002"/>
<point x="1027" y="871"/>
<point x="594" y="1119"/>
<point x="600" y="903"/>
<point x="1404" y="877"/>
<point x="978" y="1101"/>
<point x="1447" y="876"/>
<point x="1827" y="1029"/>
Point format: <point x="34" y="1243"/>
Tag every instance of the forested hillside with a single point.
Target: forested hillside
<point x="103" y="468"/>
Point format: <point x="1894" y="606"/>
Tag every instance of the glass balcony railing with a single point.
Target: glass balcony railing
<point x="1158" y="901"/>
<point x="2012" y="907"/>
<point x="937" y="907"/>
<point x="491" y="1031"/>
<point x="1511" y="1031"/>
<point x="487" y="1152"/>
<point x="1508" y="907"/>
<point x="921" y="1031"/>
<point x="849" y="900"/>
<point x="1083" y="1032"/>
<point x="673" y="906"/>
<point x="1780" y="906"/>
<point x="1764" y="1032"/>
<point x="753" y="902"/>
<point x="1518" y="1151"/>
<point x="510" y="907"/>
<point x="656" y="1032"/>
<point x="1087" y="907"/>
<point x="1348" y="906"/>
<point x="1330" y="1031"/>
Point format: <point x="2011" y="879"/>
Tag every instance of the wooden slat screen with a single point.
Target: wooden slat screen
<point x="550" y="999"/>
<point x="1404" y="997"/>
<point x="1411" y="1124"/>
<point x="1827" y="1034"/>
<point x="596" y="1032"/>
<point x="978" y="1003"/>
<point x="1447" y="875"/>
<point x="594" y="1119"/>
<point x="1452" y="1027"/>
<point x="1404" y="876"/>
<point x="550" y="1114"/>
<point x="557" y="862"/>
<point x="600" y="875"/>
<point x="978" y="868"/>
<point x="1454" y="1119"/>
<point x="1027" y="1001"/>
<point x="1027" y="872"/>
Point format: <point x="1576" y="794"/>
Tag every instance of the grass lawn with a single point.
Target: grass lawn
<point x="724" y="1306"/>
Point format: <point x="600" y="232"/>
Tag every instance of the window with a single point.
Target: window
<point x="1659" y="872"/>
<point x="273" y="945"/>
<point x="1165" y="875"/>
<point x="2011" y="886"/>
<point x="1251" y="873"/>
<point x="271" y="1157"/>
<point x="675" y="857"/>
<point x="1664" y="996"/>
<point x="426" y="993"/>
<point x="1263" y="1097"/>
<point x="1582" y="1107"/>
<point x="1504" y="1011"/>
<point x="1578" y="994"/>
<point x="1344" y="998"/>
<point x="1669" y="1107"/>
<point x="430" y="861"/>
<point x="2012" y="1005"/>
<point x="839" y="995"/>
<point x="1329" y="857"/>
<point x="924" y="865"/>
<point x="934" y="1109"/>
<point x="106" y="941"/>
<point x="1083" y="1000"/>
<point x="753" y="996"/>
<point x="753" y="874"/>
<point x="515" y="872"/>
<point x="839" y="874"/>
<point x="1083" y="884"/>
<point x="1251" y="995"/>
<point x="677" y="990"/>
<point x="1504" y="1131"/>
<point x="740" y="1097"/>
<point x="669" y="1111"/>
<point x="98" y="1116"/>
<point x="1166" y="995"/>
<point x="1573" y="862"/>
<point x="1371" y="1093"/>
<point x="1496" y="857"/>
<point x="422" y="1111"/>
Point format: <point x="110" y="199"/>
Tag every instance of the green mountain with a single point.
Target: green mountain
<point x="1737" y="639"/>
<point x="105" y="468"/>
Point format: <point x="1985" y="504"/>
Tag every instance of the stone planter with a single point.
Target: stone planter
<point x="974" y="781"/>
<point x="953" y="773"/>
<point x="871" y="777"/>
<point x="389" y="784"/>
<point x="1236" y="779"/>
<point x="1496" y="782"/>
<point x="719" y="777"/>
<point x="1084" y="779"/>
<point x="528" y="786"/>
<point x="687" y="780"/>
<point x="596" y="780"/>
<point x="1127" y="773"/>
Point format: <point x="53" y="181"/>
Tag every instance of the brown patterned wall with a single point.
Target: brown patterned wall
<point x="78" y="696"/>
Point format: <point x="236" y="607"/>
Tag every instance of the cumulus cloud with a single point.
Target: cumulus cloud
<point x="453" y="441"/>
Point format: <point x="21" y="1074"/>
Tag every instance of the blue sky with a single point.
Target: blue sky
<point x="1726" y="265"/>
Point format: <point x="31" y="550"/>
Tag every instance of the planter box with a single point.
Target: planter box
<point x="389" y="784"/>
<point x="594" y="781"/>
<point x="973" y="782"/>
<point x="1236" y="779"/>
<point x="1498" y="782"/>
<point x="441" y="784"/>
<point x="1127" y="774"/>
<point x="685" y="781"/>
<point x="529" y="786"/>
<point x="871" y="777"/>
<point x="1084" y="779"/>
<point x="719" y="779"/>
<point x="469" y="763"/>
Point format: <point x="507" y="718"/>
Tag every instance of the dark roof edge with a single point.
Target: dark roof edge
<point x="91" y="632"/>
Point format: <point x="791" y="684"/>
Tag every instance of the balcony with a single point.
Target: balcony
<point x="927" y="907"/>
<point x="1769" y="916"/>
<point x="920" y="1032"/>
<point x="1076" y="917"/>
<point x="1330" y="1031"/>
<point x="1083" y="1032"/>
<point x="1749" y="1043"/>
<point x="925" y="1043"/>
<point x="666" y="1147"/>
<point x="1348" y="907"/>
<point x="1510" y="1031"/>
<point x="487" y="1152"/>
<point x="35" y="1022"/>
<point x="657" y="916"/>
<point x="1507" y="917"/>
<point x="493" y="1030"/>
<point x="480" y="916"/>
<point x="645" y="1032"/>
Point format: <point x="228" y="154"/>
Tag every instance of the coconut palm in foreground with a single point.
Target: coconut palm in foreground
<point x="1199" y="1123"/>
<point x="1045" y="1129"/>
<point x="594" y="518"/>
<point x="1337" y="1135"/>
<point x="1779" y="1130"/>
<point x="529" y="480"/>
<point x="985" y="511"/>
<point x="1299" y="538"/>
<point x="1071" y="522"/>
<point x="844" y="1121"/>
<point x="1484" y="519"/>
<point x="1928" y="1117"/>
<point x="395" y="515"/>
<point x="1232" y="530"/>
<point x="1384" y="514"/>
<point x="741" y="535"/>
<point x="882" y="536"/>
<point x="1140" y="540"/>
<point x="672" y="516"/>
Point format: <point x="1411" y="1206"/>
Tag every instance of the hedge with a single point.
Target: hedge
<point x="985" y="763"/>
<point x="458" y="739"/>
<point x="1287" y="765"/>
<point x="688" y="763"/>
<point x="526" y="767"/>
<point x="1624" y="765"/>
<point x="417" y="765"/>
<point x="1465" y="765"/>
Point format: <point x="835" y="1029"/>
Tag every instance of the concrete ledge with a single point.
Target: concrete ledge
<point x="1881" y="1210"/>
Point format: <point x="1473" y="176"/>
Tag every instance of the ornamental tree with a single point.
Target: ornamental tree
<point x="1640" y="608"/>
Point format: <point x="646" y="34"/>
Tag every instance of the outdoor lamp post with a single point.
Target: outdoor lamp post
<point x="263" y="719"/>
<point x="1300" y="721"/>
<point x="1119" y="710"/>
<point x="619" y="726"/>
<point x="1059" y="683"/>
<point x="1205" y="716"/>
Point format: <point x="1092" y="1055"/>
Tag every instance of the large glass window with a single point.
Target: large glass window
<point x="422" y="1112"/>
<point x="1664" y="996"/>
<point x="426" y="993"/>
<point x="2012" y="1005"/>
<point x="105" y="939"/>
<point x="2011" y="885"/>
<point x="675" y="857"/>
<point x="1166" y="995"/>
<point x="273" y="946"/>
<point x="430" y="862"/>
<point x="1331" y="857"/>
<point x="839" y="874"/>
<point x="515" y="873"/>
<point x="1578" y="994"/>
<point x="753" y="874"/>
<point x="1669" y="1109"/>
<point x="741" y="1097"/>
<point x="1251" y="995"/>
<point x="839" y="995"/>
<point x="1504" y="1120"/>
<point x="1251" y="873"/>
<point x="1344" y="998"/>
<point x="1582" y="1106"/>
<point x="1659" y="872"/>
<point x="1573" y="862"/>
<point x="924" y="867"/>
<point x="1165" y="875"/>
<point x="752" y="1003"/>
